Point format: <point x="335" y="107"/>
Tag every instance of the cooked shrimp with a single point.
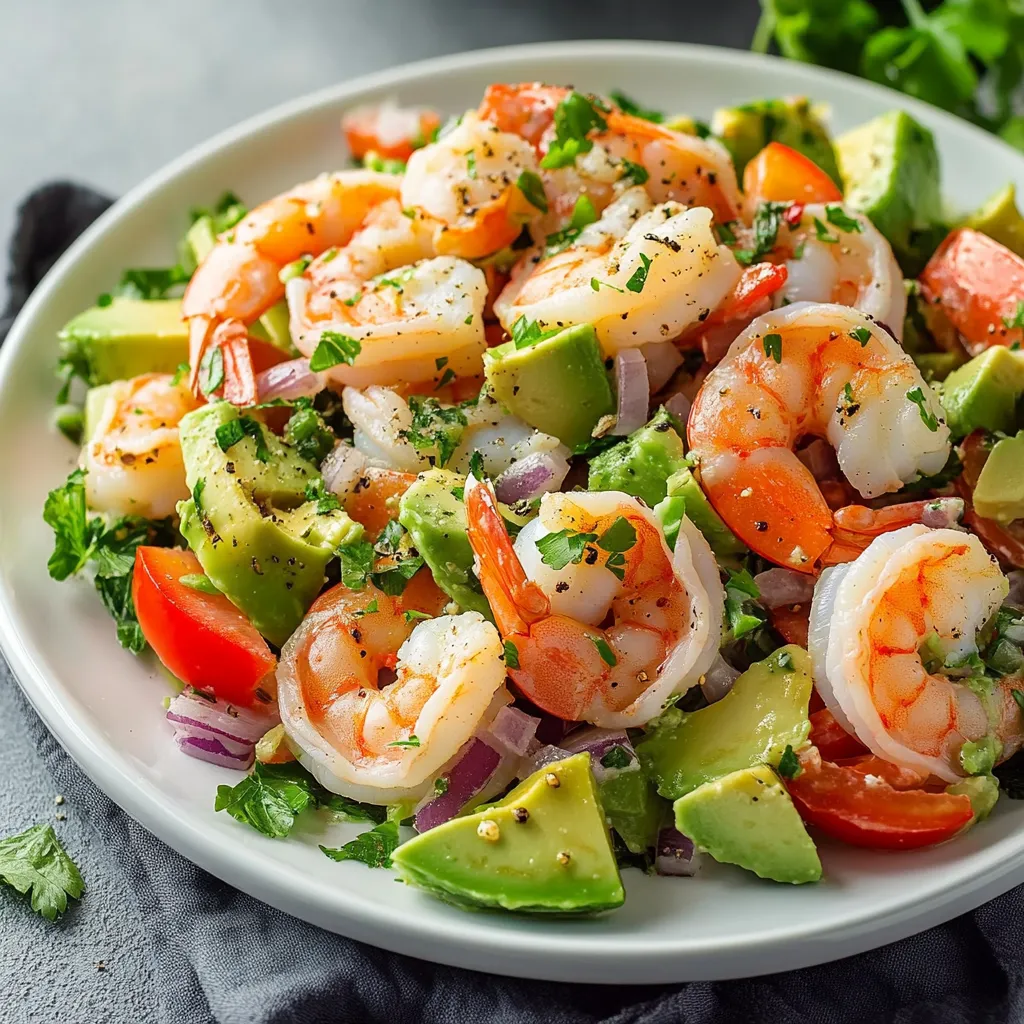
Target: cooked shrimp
<point x="238" y="280"/>
<point x="385" y="742"/>
<point x="832" y="263"/>
<point x="809" y="369"/>
<point x="133" y="460"/>
<point x="869" y="621"/>
<point x="638" y="275"/>
<point x="466" y="184"/>
<point x="387" y="129"/>
<point x="665" y="610"/>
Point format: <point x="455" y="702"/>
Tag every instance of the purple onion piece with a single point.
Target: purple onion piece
<point x="718" y="679"/>
<point x="679" y="406"/>
<point x="633" y="389"/>
<point x="663" y="359"/>
<point x="513" y="730"/>
<point x="675" y="854"/>
<point x="219" y="718"/>
<point x="293" y="379"/>
<point x="601" y="744"/>
<point x="942" y="513"/>
<point x="466" y="778"/>
<point x="213" y="751"/>
<point x="541" y="758"/>
<point x="780" y="587"/>
<point x="533" y="475"/>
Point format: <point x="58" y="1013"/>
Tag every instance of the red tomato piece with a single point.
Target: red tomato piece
<point x="832" y="740"/>
<point x="392" y="132"/>
<point x="845" y="804"/>
<point x="980" y="286"/>
<point x="374" y="502"/>
<point x="780" y="174"/>
<point x="755" y="283"/>
<point x="791" y="621"/>
<point x="203" y="639"/>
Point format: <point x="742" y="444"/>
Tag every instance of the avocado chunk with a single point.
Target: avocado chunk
<point x="127" y="337"/>
<point x="642" y="464"/>
<point x="1000" y="219"/>
<point x="543" y="848"/>
<point x="685" y="498"/>
<point x="793" y="121"/>
<point x="891" y="169"/>
<point x="633" y="809"/>
<point x="95" y="400"/>
<point x="558" y="384"/>
<point x="248" y="521"/>
<point x="763" y="713"/>
<point x="984" y="392"/>
<point x="983" y="792"/>
<point x="999" y="493"/>
<point x="747" y="818"/>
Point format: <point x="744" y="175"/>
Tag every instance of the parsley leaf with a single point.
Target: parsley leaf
<point x="838" y="217"/>
<point x="616" y="757"/>
<point x="332" y="349"/>
<point x="356" y="563"/>
<point x="412" y="741"/>
<point x="583" y="213"/>
<point x="639" y="277"/>
<point x="636" y="173"/>
<point x="527" y="332"/>
<point x="861" y="334"/>
<point x="619" y="537"/>
<point x="326" y="501"/>
<point x="930" y="420"/>
<point x="151" y="283"/>
<point x="823" y="234"/>
<point x="631" y="107"/>
<point x="575" y="117"/>
<point x="211" y="371"/>
<point x="557" y="550"/>
<point x="511" y="655"/>
<point x="767" y="221"/>
<point x="607" y="654"/>
<point x="309" y="435"/>
<point x="75" y="535"/>
<point x="740" y="592"/>
<point x="435" y="427"/>
<point x="393" y="578"/>
<point x="773" y="346"/>
<point x="533" y="189"/>
<point x="35" y="862"/>
<point x="789" y="764"/>
<point x="372" y="848"/>
<point x="230" y="433"/>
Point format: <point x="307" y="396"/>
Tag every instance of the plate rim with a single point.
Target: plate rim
<point x="523" y="954"/>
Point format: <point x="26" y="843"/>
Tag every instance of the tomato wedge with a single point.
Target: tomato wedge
<point x="780" y="174"/>
<point x="374" y="502"/>
<point x="832" y="740"/>
<point x="391" y="132"/>
<point x="980" y="286"/>
<point x="864" y="810"/>
<point x="203" y="639"/>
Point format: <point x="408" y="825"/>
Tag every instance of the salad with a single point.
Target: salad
<point x="569" y="487"/>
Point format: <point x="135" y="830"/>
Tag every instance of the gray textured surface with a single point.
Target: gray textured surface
<point x="104" y="92"/>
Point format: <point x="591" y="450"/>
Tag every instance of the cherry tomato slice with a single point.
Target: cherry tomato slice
<point x="848" y="805"/>
<point x="780" y="174"/>
<point x="203" y="639"/>
<point x="832" y="740"/>
<point x="392" y="132"/>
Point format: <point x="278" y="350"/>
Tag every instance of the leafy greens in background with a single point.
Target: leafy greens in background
<point x="966" y="56"/>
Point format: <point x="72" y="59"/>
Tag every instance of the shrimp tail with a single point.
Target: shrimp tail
<point x="856" y="526"/>
<point x="239" y="375"/>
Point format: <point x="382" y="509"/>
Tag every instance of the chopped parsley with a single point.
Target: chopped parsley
<point x="446" y="378"/>
<point x="767" y="220"/>
<point x="633" y="172"/>
<point x="839" y="218"/>
<point x="616" y="757"/>
<point x="307" y="432"/>
<point x="617" y="539"/>
<point x="823" y="234"/>
<point x="372" y="848"/>
<point x="740" y="592"/>
<point x="607" y="654"/>
<point x="726" y="232"/>
<point x="392" y="579"/>
<point x="930" y="420"/>
<point x="471" y="165"/>
<point x="230" y="433"/>
<point x="476" y="465"/>
<point x="390" y="539"/>
<point x="1017" y="320"/>
<point x="211" y="371"/>
<point x="639" y="277"/>
<point x="326" y="501"/>
<point x="440" y="786"/>
<point x="773" y="347"/>
<point x="575" y="117"/>
<point x="583" y="213"/>
<point x="631" y="107"/>
<point x="789" y="764"/>
<point x="356" y="563"/>
<point x="557" y="550"/>
<point x="151" y="283"/>
<point x="532" y="188"/>
<point x="597" y="284"/>
<point x="34" y="862"/>
<point x="511" y="655"/>
<point x="861" y="334"/>
<point x="412" y="615"/>
<point x="332" y="349"/>
<point x="435" y="428"/>
<point x="183" y="369"/>
<point x="294" y="269"/>
<point x="412" y="741"/>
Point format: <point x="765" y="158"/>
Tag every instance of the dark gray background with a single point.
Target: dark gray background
<point x="104" y="92"/>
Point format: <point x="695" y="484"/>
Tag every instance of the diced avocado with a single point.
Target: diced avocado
<point x="543" y="848"/>
<point x="558" y="385"/>
<point x="641" y="464"/>
<point x="984" y="392"/>
<point x="763" y="713"/>
<point x="633" y="809"/>
<point x="685" y="497"/>
<point x="95" y="400"/>
<point x="794" y="122"/>
<point x="273" y="325"/>
<point x="1000" y="219"/>
<point x="436" y="520"/>
<point x="937" y="366"/>
<point x="128" y="337"/>
<point x="999" y="493"/>
<point x="257" y="537"/>
<point x="748" y="819"/>
<point x="983" y="791"/>
<point x="891" y="169"/>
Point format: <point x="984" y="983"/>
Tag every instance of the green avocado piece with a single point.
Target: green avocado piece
<point x="641" y="464"/>
<point x="794" y="122"/>
<point x="127" y="337"/>
<point x="984" y="392"/>
<point x="747" y="818"/>
<point x="257" y="537"/>
<point x="891" y="169"/>
<point x="543" y="848"/>
<point x="95" y="400"/>
<point x="763" y="713"/>
<point x="633" y="809"/>
<point x="558" y="385"/>
<point x="685" y="497"/>
<point x="1000" y="219"/>
<point x="999" y="493"/>
<point x="983" y="791"/>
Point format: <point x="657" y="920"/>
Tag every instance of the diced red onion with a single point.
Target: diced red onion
<point x="343" y="468"/>
<point x="633" y="389"/>
<point x="293" y="379"/>
<point x="513" y="730"/>
<point x="663" y="359"/>
<point x="469" y="775"/>
<point x="942" y="513"/>
<point x="675" y="854"/>
<point x="531" y="476"/>
<point x="819" y="458"/>
<point x="1016" y="594"/>
<point x="780" y="587"/>
<point x="598" y="742"/>
<point x="541" y="758"/>
<point x="679" y="406"/>
<point x="217" y="732"/>
<point x="718" y="680"/>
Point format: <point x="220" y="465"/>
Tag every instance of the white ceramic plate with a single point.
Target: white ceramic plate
<point x="104" y="705"/>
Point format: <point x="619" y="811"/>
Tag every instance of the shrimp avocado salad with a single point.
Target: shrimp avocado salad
<point x="570" y="486"/>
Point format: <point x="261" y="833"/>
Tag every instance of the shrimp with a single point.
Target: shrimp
<point x="639" y="275"/>
<point x="239" y="279"/>
<point x="466" y="184"/>
<point x="665" y="611"/>
<point x="912" y="589"/>
<point x="850" y="263"/>
<point x="809" y="369"/>
<point x="133" y="459"/>
<point x="381" y="742"/>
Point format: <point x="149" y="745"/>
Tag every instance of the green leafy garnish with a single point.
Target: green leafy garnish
<point x="861" y="334"/>
<point x="294" y="269"/>
<point x="180" y="374"/>
<point x="639" y="277"/>
<point x="392" y="579"/>
<point x="767" y="221"/>
<point x="740" y="592"/>
<point x="532" y="188"/>
<point x="372" y="848"/>
<point x="435" y="427"/>
<point x="597" y="284"/>
<point x="575" y="117"/>
<point x="356" y="563"/>
<point x="789" y="764"/>
<point x="583" y="213"/>
<point x="635" y="173"/>
<point x="412" y="615"/>
<point x="839" y="218"/>
<point x="230" y="433"/>
<point x="528" y="332"/>
<point x="631" y="107"/>
<point x="151" y="283"/>
<point x="557" y="550"/>
<point x="930" y="420"/>
<point x="607" y="654"/>
<point x="35" y="862"/>
<point x="476" y="466"/>
<point x="823" y="234"/>
<point x="309" y="435"/>
<point x="211" y="371"/>
<point x="412" y="741"/>
<point x="440" y="786"/>
<point x="326" y="501"/>
<point x="390" y="538"/>
<point x="616" y="757"/>
<point x="620" y="536"/>
<point x="511" y="655"/>
<point x="373" y="161"/>
<point x="332" y="349"/>
<point x="773" y="347"/>
<point x="1017" y="320"/>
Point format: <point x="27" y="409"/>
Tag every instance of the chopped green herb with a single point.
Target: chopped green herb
<point x="412" y="741"/>
<point x="471" y="165"/>
<point x="1018" y="696"/>
<point x="583" y="213"/>
<point x="180" y="373"/>
<point x="557" y="550"/>
<point x="151" y="283"/>
<point x="726" y="232"/>
<point x="392" y="579"/>
<point x="768" y="219"/>
<point x="373" y="161"/>
<point x="616" y="757"/>
<point x="930" y="420"/>
<point x="823" y="234"/>
<point x="740" y="592"/>
<point x="575" y="117"/>
<point x="104" y="300"/>
<point x="861" y="334"/>
<point x="597" y="284"/>
<point x="34" y="862"/>
<point x="839" y="218"/>
<point x="620" y="536"/>
<point x="211" y="371"/>
<point x="476" y="466"/>
<point x="639" y="277"/>
<point x="636" y="173"/>
<point x="356" y="563"/>
<point x="1017" y="320"/>
<point x="532" y="188"/>
<point x="629" y="106"/>
<point x="441" y="362"/>
<point x="332" y="349"/>
<point x="789" y="764"/>
<point x="607" y="654"/>
<point x="230" y="433"/>
<point x="511" y="655"/>
<point x="528" y="332"/>
<point x="446" y="378"/>
<point x="773" y="347"/>
<point x="326" y="501"/>
<point x="294" y="269"/>
<point x="372" y="848"/>
<point x="412" y="615"/>
<point x="440" y="786"/>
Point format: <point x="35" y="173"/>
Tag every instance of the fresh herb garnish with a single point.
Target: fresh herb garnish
<point x="326" y="501"/>
<point x="583" y="213"/>
<point x="616" y="757"/>
<point x="435" y="427"/>
<point x="557" y="550"/>
<point x="639" y="277"/>
<point x="631" y="107"/>
<point x="773" y="346"/>
<point x="211" y="370"/>
<point x="740" y="592"/>
<point x="823" y="234"/>
<point x="476" y="466"/>
<point x="768" y="220"/>
<point x="839" y="218"/>
<point x="575" y="117"/>
<point x="412" y="615"/>
<point x="861" y="334"/>
<point x="392" y="579"/>
<point x="930" y="420"/>
<point x="607" y="654"/>
<point x="412" y="741"/>
<point x="180" y="373"/>
<point x="511" y="655"/>
<point x="230" y="433"/>
<point x="532" y="188"/>
<point x="332" y="349"/>
<point x="635" y="173"/>
<point x="34" y="862"/>
<point x="294" y="269"/>
<point x="597" y="284"/>
<point x="789" y="764"/>
<point x="528" y="332"/>
<point x="151" y="283"/>
<point x="356" y="563"/>
<point x="372" y="848"/>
